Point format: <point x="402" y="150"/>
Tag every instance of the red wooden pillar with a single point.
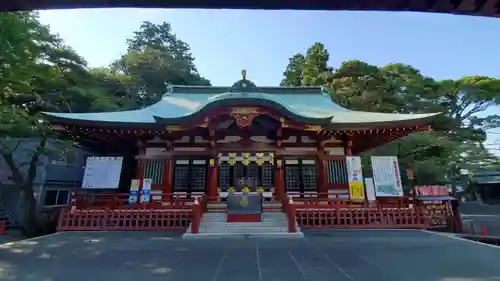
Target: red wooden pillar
<point x="348" y="150"/>
<point x="213" y="180"/>
<point x="322" y="173"/>
<point x="279" y="176"/>
<point x="167" y="178"/>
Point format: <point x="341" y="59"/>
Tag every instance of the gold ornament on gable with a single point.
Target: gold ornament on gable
<point x="244" y="110"/>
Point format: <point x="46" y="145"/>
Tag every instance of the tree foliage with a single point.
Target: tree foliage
<point x="40" y="73"/>
<point x="154" y="59"/>
<point x="398" y="88"/>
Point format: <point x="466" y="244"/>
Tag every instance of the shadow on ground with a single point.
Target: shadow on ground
<point x="363" y="255"/>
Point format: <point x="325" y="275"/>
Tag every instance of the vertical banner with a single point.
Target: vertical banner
<point x="386" y="176"/>
<point x="134" y="191"/>
<point x="146" y="191"/>
<point x="370" y="189"/>
<point x="355" y="178"/>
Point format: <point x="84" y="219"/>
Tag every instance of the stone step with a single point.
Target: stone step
<point x="221" y="217"/>
<point x="223" y="235"/>
<point x="247" y="229"/>
<point x="214" y="225"/>
<point x="224" y="205"/>
<point x="243" y="224"/>
<point x="220" y="222"/>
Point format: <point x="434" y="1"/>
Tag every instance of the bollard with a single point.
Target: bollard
<point x="3" y="228"/>
<point x="483" y="230"/>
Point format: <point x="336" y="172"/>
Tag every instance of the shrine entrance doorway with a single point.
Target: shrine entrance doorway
<point x="252" y="171"/>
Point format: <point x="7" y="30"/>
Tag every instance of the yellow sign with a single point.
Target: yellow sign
<point x="356" y="190"/>
<point x="244" y="201"/>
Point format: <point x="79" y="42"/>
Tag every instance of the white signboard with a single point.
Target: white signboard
<point x="134" y="191"/>
<point x="370" y="189"/>
<point x="354" y="171"/>
<point x="386" y="176"/>
<point x="102" y="172"/>
<point x="146" y="191"/>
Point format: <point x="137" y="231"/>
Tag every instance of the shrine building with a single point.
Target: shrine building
<point x="204" y="139"/>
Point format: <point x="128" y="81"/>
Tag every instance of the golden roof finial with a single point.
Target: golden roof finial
<point x="244" y="74"/>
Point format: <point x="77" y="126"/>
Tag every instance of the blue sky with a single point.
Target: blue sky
<point x="226" y="41"/>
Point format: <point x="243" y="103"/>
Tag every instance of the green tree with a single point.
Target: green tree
<point x="309" y="70"/>
<point x="292" y="77"/>
<point x="399" y="88"/>
<point x="39" y="73"/>
<point x="156" y="58"/>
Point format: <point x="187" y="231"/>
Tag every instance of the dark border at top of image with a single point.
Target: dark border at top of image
<point x="489" y="8"/>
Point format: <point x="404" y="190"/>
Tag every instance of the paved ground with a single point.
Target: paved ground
<point x="364" y="255"/>
<point x="479" y="208"/>
<point x="476" y="215"/>
<point x="11" y="235"/>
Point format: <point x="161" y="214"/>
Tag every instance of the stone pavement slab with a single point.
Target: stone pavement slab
<point x="343" y="255"/>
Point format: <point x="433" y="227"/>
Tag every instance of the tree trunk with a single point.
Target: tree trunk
<point x="28" y="209"/>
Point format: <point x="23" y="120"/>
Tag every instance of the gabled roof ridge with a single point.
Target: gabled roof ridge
<point x="185" y="89"/>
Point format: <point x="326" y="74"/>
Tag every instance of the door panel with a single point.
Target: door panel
<point x="300" y="176"/>
<point x="190" y="175"/>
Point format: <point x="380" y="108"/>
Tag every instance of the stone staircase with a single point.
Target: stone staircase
<point x="214" y="225"/>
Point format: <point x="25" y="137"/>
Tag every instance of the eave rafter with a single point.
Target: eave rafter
<point x="373" y="131"/>
<point x="206" y="126"/>
<point x="384" y="137"/>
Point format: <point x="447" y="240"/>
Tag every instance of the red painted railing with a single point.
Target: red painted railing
<point x="112" y="212"/>
<point x="319" y="211"/>
<point x="361" y="218"/>
<point x="334" y="201"/>
<point x="120" y="219"/>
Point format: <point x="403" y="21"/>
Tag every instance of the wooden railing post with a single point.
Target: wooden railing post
<point x="62" y="221"/>
<point x="291" y="216"/>
<point x="196" y="214"/>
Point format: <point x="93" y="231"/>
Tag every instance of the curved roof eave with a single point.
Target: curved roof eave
<point x="369" y="120"/>
<point x="120" y="119"/>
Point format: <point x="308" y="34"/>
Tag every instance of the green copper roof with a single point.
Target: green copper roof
<point x="310" y="105"/>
